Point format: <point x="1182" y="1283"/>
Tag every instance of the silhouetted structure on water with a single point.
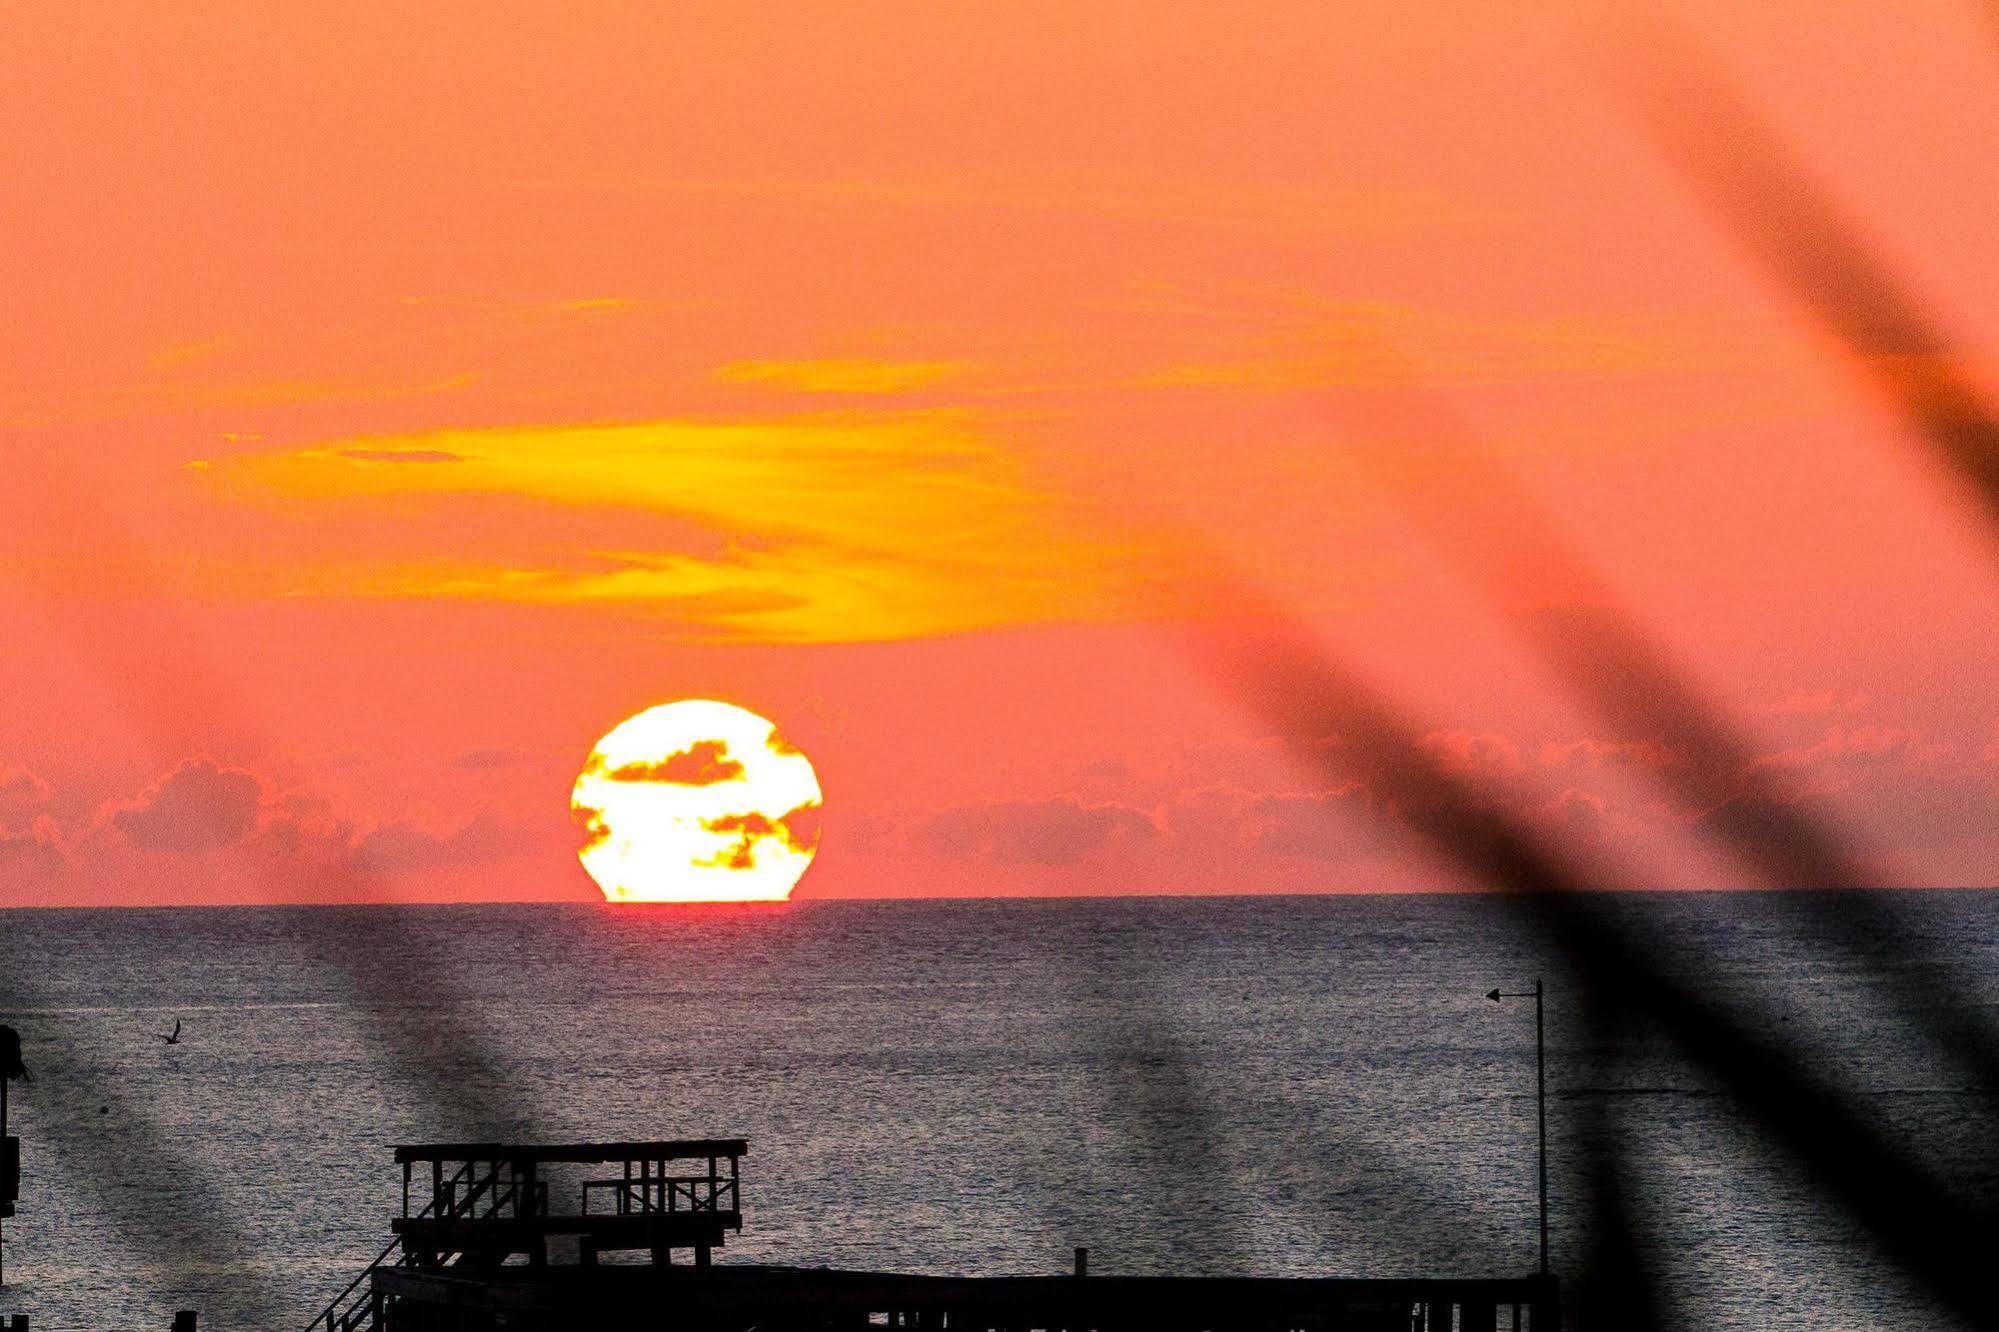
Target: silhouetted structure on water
<point x="11" y="1068"/>
<point x="481" y="1245"/>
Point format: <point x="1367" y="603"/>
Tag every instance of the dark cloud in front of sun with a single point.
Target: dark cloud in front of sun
<point x="703" y="763"/>
<point x="591" y="821"/>
<point x="798" y="830"/>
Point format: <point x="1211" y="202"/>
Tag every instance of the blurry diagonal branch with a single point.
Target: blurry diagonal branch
<point x="447" y="1062"/>
<point x="1304" y="695"/>
<point x="1740" y="170"/>
<point x="1495" y="535"/>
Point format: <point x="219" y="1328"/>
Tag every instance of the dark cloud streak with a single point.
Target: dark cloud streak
<point x="703" y="763"/>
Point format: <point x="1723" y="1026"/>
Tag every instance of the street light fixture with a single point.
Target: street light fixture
<point x="1540" y="1096"/>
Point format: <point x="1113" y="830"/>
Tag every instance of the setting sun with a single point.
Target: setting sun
<point x="696" y="801"/>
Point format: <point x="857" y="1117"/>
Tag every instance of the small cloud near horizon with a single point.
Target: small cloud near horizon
<point x="402" y="847"/>
<point x="203" y="806"/>
<point x="23" y="794"/>
<point x="199" y="806"/>
<point x="1057" y="832"/>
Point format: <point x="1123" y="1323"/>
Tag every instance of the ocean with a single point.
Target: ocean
<point x="1279" y="1086"/>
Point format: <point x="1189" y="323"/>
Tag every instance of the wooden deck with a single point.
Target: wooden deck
<point x="594" y="1153"/>
<point x="678" y="1230"/>
<point x="783" y="1299"/>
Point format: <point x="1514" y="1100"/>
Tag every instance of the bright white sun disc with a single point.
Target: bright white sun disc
<point x="696" y="801"/>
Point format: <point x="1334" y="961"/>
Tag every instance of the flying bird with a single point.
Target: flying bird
<point x="173" y="1039"/>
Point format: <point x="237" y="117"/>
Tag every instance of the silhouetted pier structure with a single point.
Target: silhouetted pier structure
<point x="481" y="1244"/>
<point x="11" y="1068"/>
<point x="488" y="1202"/>
<point x="475" y="1210"/>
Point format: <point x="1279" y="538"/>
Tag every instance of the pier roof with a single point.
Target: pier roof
<point x="660" y="1149"/>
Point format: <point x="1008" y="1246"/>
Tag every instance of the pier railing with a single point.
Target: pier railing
<point x="663" y="1193"/>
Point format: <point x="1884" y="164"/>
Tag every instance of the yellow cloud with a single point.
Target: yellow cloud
<point x="840" y="376"/>
<point x="840" y="527"/>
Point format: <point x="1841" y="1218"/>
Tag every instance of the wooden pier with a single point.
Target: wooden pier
<point x="782" y="1299"/>
<point x="482" y="1245"/>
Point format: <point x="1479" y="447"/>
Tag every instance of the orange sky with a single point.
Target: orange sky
<point x="390" y="404"/>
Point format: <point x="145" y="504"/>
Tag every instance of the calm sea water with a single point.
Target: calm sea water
<point x="1284" y="1086"/>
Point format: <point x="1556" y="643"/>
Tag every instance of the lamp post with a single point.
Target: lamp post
<point x="1540" y="1096"/>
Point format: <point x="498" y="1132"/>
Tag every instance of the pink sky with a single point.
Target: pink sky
<point x="391" y="404"/>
